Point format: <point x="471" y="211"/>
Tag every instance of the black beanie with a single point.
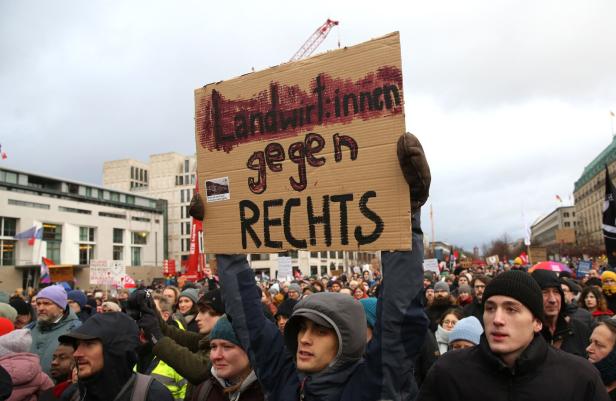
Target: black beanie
<point x="549" y="279"/>
<point x="519" y="286"/>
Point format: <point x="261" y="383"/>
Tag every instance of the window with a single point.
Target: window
<point x="118" y="252"/>
<point x="186" y="165"/>
<point x="323" y="270"/>
<point x="130" y="199"/>
<point x="89" y="192"/>
<point x="115" y="197"/>
<point x="314" y="270"/>
<point x="86" y="234"/>
<point x="8" y="226"/>
<point x="86" y="253"/>
<point x="566" y="214"/>
<point x="139" y="238"/>
<point x="135" y="256"/>
<point x="7" y="252"/>
<point x="132" y="172"/>
<point x="314" y="254"/>
<point x="332" y="254"/>
<point x="187" y="229"/>
<point x="74" y="210"/>
<point x="567" y="224"/>
<point x="118" y="236"/>
<point x="259" y="256"/>
<point x="145" y="175"/>
<point x="52" y="233"/>
<point x="144" y="219"/>
<point x="11" y="178"/>
<point x="28" y="204"/>
<point x="113" y="215"/>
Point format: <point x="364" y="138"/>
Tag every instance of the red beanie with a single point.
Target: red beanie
<point x="6" y="326"/>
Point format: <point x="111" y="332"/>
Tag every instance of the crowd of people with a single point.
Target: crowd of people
<point x="391" y="332"/>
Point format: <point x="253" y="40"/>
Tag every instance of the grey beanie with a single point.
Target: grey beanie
<point x="441" y="286"/>
<point x="190" y="293"/>
<point x="295" y="287"/>
<point x="8" y="312"/>
<point x="465" y="288"/>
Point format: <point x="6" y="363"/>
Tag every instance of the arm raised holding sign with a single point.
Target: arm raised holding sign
<point x="323" y="354"/>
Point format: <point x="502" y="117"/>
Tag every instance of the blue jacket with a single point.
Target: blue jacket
<point x="386" y="370"/>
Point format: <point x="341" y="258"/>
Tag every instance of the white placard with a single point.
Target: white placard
<point x="285" y="270"/>
<point x="431" y="265"/>
<point x="107" y="272"/>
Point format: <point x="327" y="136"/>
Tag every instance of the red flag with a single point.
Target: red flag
<point x="195" y="265"/>
<point x="524" y="258"/>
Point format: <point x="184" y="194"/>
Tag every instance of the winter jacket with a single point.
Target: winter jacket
<point x="115" y="381"/>
<point x="580" y="314"/>
<point x="386" y="369"/>
<point x="26" y="374"/>
<point x="540" y="373"/>
<point x="429" y="354"/>
<point x="186" y="352"/>
<point x="573" y="335"/>
<point x="45" y="338"/>
<point x="435" y="312"/>
<point x="213" y="389"/>
<point x="475" y="308"/>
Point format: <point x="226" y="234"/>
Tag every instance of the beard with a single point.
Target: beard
<point x="48" y="320"/>
<point x="442" y="301"/>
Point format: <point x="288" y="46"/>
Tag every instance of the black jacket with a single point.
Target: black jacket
<point x="475" y="308"/>
<point x="540" y="373"/>
<point x="572" y="334"/>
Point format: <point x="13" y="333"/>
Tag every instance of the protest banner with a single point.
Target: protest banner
<point x="583" y="268"/>
<point x="285" y="269"/>
<point x="107" y="272"/>
<point x="537" y="254"/>
<point x="492" y="260"/>
<point x="565" y="236"/>
<point x="431" y="265"/>
<point x="303" y="155"/>
<point x="60" y="273"/>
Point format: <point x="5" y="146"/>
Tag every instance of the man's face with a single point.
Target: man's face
<point x="509" y="327"/>
<point x="89" y="357"/>
<point x="62" y="363"/>
<point x="22" y="321"/>
<point x="317" y="347"/>
<point x="206" y="320"/>
<point x="74" y="306"/>
<point x="479" y="287"/>
<point x="462" y="280"/>
<point x="229" y="360"/>
<point x="441" y="294"/>
<point x="47" y="311"/>
<point x="551" y="302"/>
<point x="294" y="295"/>
<point x="601" y="343"/>
<point x="336" y="287"/>
<point x="426" y="283"/>
<point x="568" y="293"/>
<point x="429" y="294"/>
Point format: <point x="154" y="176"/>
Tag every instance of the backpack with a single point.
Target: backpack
<point x="141" y="387"/>
<point x="202" y="391"/>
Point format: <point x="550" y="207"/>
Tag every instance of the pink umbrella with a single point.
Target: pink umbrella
<point x="550" y="265"/>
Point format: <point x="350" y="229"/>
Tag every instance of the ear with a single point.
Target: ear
<point x="537" y="325"/>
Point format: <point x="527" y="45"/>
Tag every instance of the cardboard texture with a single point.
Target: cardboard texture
<point x="303" y="155"/>
<point x="537" y="254"/>
<point x="565" y="236"/>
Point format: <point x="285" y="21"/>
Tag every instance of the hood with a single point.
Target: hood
<point x="25" y="368"/>
<point x="15" y="341"/>
<point x="344" y="314"/>
<point x="120" y="337"/>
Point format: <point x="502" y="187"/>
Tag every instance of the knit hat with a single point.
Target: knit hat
<point x="519" y="286"/>
<point x="369" y="305"/>
<point x="285" y="308"/>
<point x="111" y="306"/>
<point x="608" y="274"/>
<point x="465" y="288"/>
<point x="549" y="279"/>
<point x="223" y="330"/>
<point x="78" y="297"/>
<point x="21" y="306"/>
<point x="295" y="287"/>
<point x="190" y="293"/>
<point x="468" y="329"/>
<point x="213" y="299"/>
<point x="441" y="286"/>
<point x="6" y="326"/>
<point x="15" y="341"/>
<point x="54" y="293"/>
<point x="8" y="312"/>
<point x="573" y="286"/>
<point x="428" y="276"/>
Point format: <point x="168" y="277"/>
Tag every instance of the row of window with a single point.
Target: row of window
<point x="186" y="179"/>
<point x="138" y="174"/>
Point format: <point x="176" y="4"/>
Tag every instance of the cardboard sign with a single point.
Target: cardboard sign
<point x="583" y="267"/>
<point x="61" y="273"/>
<point x="107" y="272"/>
<point x="431" y="265"/>
<point x="303" y="155"/>
<point x="537" y="254"/>
<point x="492" y="260"/>
<point x="565" y="236"/>
<point x="285" y="269"/>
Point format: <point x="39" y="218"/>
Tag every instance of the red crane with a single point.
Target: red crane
<point x="314" y="40"/>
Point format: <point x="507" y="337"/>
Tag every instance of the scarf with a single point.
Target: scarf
<point x="607" y="368"/>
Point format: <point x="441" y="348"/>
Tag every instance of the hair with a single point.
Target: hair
<point x="457" y="312"/>
<point x="610" y="324"/>
<point x="163" y="303"/>
<point x="601" y="302"/>
<point x="480" y="277"/>
<point x="318" y="286"/>
<point x="175" y="290"/>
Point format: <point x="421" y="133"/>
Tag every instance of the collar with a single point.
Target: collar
<point x="532" y="357"/>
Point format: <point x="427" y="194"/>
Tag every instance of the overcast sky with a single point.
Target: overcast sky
<point x="510" y="99"/>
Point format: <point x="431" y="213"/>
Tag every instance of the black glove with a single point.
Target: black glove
<point x="415" y="168"/>
<point x="196" y="207"/>
<point x="149" y="324"/>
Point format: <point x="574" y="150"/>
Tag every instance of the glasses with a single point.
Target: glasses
<point x="450" y="322"/>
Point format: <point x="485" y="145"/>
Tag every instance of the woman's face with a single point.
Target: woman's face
<point x="449" y="322"/>
<point x="170" y="295"/>
<point x="462" y="281"/>
<point x="601" y="343"/>
<point x="229" y="360"/>
<point x="184" y="305"/>
<point x="359" y="294"/>
<point x="590" y="300"/>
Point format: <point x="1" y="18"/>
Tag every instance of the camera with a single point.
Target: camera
<point x="138" y="302"/>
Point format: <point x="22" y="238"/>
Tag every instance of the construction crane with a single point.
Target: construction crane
<point x="314" y="40"/>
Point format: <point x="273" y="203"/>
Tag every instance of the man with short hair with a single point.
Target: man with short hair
<point x="294" y="292"/>
<point x="512" y="358"/>
<point x="475" y="308"/>
<point x="54" y="318"/>
<point x="559" y="329"/>
<point x="105" y="354"/>
<point x="441" y="302"/>
<point x="62" y="366"/>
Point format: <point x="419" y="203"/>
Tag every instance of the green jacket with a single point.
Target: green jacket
<point x="186" y="352"/>
<point x="45" y="338"/>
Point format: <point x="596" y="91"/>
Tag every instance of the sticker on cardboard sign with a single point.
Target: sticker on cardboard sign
<point x="217" y="189"/>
